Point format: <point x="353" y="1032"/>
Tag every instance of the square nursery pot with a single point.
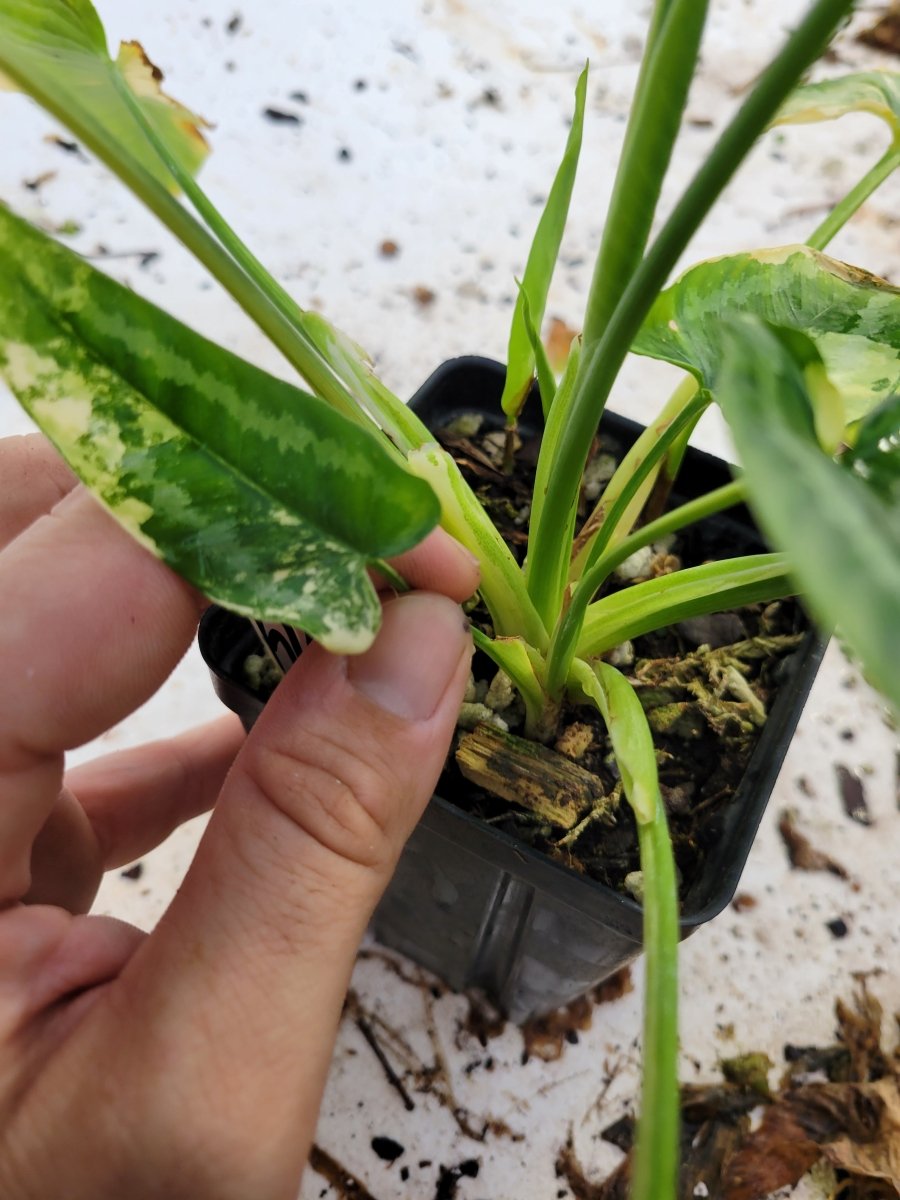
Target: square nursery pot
<point x="470" y="902"/>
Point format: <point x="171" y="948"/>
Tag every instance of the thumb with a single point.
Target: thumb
<point x="244" y="978"/>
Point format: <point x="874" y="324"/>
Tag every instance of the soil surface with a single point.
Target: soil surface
<point x="706" y="685"/>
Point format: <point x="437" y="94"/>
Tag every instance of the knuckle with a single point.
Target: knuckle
<point x="338" y="799"/>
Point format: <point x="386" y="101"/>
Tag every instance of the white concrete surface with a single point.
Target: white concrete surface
<point x="453" y="115"/>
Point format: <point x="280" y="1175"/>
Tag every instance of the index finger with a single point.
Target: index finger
<point x="34" y="479"/>
<point x="440" y="564"/>
<point x="92" y="626"/>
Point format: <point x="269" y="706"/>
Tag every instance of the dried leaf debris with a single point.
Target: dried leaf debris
<point x="837" y="1105"/>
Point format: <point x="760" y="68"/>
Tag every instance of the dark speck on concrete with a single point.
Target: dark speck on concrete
<point x="279" y="117"/>
<point x="448" y="1180"/>
<point x="64" y="144"/>
<point x="387" y="1149"/>
<point x="838" y="927"/>
<point x="404" y="49"/>
<point x="853" y="795"/>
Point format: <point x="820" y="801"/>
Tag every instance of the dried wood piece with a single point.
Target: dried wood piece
<point x="529" y="775"/>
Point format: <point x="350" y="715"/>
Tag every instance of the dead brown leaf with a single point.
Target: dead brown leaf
<point x="856" y="1126"/>
<point x="880" y="1157"/>
<point x="711" y="1150"/>
<point x="546" y="1037"/>
<point x="617" y="985"/>
<point x="776" y="1155"/>
<point x="851" y="1122"/>
<point x="558" y="340"/>
<point x="859" y="1029"/>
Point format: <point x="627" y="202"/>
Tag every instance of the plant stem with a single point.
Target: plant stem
<point x="608" y="514"/>
<point x="390" y="575"/>
<point x="657" y="19"/>
<point x="655" y="1163"/>
<point x="546" y="570"/>
<point x="256" y="302"/>
<point x="568" y="629"/>
<point x="692" y="592"/>
<point x="685" y="514"/>
<point x="520" y="662"/>
<point x="601" y="362"/>
<point x="666" y="71"/>
<point x="655" y="1169"/>
<point x="502" y="585"/>
<point x="855" y="198"/>
<point x="305" y="354"/>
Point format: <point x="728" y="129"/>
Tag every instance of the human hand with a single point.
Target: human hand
<point x="188" y="1062"/>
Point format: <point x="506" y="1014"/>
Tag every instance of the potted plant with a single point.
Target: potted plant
<point x="799" y="351"/>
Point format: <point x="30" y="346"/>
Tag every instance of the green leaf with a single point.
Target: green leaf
<point x="612" y="519"/>
<point x="628" y="488"/>
<point x="602" y="359"/>
<point x="656" y="1151"/>
<point x="545" y="377"/>
<point x="549" y="539"/>
<point x="56" y="51"/>
<point x="462" y="515"/>
<point x="259" y="494"/>
<point x="518" y="660"/>
<point x="875" y="456"/>
<point x="876" y="92"/>
<point x="841" y="536"/>
<point x="628" y="730"/>
<point x="353" y="367"/>
<point x="852" y="317"/>
<point x="541" y="261"/>
<point x="654" y="122"/>
<point x="693" y="592"/>
<point x="154" y="146"/>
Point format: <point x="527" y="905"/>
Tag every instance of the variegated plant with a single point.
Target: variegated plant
<point x="275" y="501"/>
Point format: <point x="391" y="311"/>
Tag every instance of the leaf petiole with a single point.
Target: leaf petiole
<point x="855" y="198"/>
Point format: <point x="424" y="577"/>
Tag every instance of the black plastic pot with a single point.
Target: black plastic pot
<point x="471" y="903"/>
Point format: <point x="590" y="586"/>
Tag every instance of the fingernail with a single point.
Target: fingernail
<point x="472" y="558"/>
<point x="417" y="651"/>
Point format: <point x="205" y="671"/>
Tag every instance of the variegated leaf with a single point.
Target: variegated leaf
<point x="875" y="456"/>
<point x="852" y="317"/>
<point x="876" y="92"/>
<point x="839" y="526"/>
<point x="56" y="51"/>
<point x="259" y="494"/>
